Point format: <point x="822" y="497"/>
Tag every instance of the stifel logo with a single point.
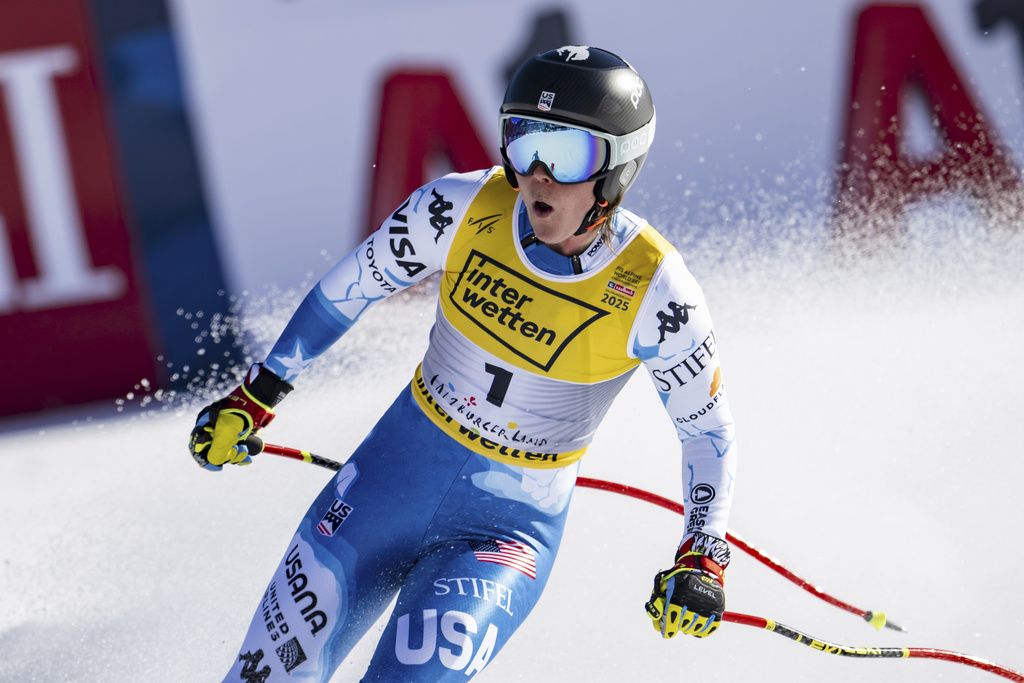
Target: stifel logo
<point x="517" y="311"/>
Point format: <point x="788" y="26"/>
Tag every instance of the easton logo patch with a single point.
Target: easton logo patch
<point x="509" y="307"/>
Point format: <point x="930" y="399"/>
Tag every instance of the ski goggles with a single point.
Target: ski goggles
<point x="571" y="154"/>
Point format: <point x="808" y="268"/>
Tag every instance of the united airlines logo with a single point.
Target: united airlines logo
<point x="511" y="309"/>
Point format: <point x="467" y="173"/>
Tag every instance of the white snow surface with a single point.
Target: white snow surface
<point x="880" y="414"/>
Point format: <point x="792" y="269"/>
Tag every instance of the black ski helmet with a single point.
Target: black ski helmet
<point x="590" y="88"/>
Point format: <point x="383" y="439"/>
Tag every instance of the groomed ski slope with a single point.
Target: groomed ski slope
<point x="881" y="418"/>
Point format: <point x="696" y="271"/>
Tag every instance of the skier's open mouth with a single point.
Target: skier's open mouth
<point x="542" y="208"/>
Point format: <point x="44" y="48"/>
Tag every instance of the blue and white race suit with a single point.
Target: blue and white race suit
<point x="457" y="499"/>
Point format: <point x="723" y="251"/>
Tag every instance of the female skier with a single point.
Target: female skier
<point x="550" y="296"/>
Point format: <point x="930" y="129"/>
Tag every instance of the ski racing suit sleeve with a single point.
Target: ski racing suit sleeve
<point x="410" y="245"/>
<point x="676" y="342"/>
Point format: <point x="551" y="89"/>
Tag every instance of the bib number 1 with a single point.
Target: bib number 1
<point x="499" y="386"/>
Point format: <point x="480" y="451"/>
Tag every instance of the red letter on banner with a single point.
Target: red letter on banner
<point x="74" y="327"/>
<point x="896" y="48"/>
<point x="421" y="119"/>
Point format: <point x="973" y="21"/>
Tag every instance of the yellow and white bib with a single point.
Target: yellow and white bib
<point x="522" y="364"/>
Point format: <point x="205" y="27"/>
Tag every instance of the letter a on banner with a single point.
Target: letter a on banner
<point x="421" y="119"/>
<point x="895" y="48"/>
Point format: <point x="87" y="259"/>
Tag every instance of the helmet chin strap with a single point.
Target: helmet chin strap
<point x="591" y="220"/>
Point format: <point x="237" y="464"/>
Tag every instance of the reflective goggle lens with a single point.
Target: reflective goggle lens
<point x="572" y="155"/>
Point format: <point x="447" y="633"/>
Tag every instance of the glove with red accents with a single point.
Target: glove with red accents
<point x="222" y="428"/>
<point x="689" y="597"/>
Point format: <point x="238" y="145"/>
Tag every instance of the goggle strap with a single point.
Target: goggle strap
<point x="591" y="221"/>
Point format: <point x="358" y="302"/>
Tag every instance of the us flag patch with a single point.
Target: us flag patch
<point x="334" y="518"/>
<point x="514" y="554"/>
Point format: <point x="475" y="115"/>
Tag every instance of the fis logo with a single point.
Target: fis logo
<point x="334" y="518"/>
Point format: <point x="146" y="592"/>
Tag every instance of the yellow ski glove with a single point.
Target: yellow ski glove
<point x="689" y="597"/>
<point x="221" y="429"/>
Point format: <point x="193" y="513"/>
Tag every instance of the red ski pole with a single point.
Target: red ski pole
<point x="257" y="445"/>
<point x="871" y="652"/>
<point x="876" y="619"/>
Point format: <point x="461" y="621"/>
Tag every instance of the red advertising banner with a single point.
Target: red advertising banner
<point x="73" y="326"/>
<point x="896" y="49"/>
<point x="421" y="118"/>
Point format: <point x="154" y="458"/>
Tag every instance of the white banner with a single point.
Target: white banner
<point x="750" y="98"/>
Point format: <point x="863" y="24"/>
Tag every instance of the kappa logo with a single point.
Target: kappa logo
<point x="674" y="321"/>
<point x="497" y="299"/>
<point x="439" y="218"/>
<point x="251" y="673"/>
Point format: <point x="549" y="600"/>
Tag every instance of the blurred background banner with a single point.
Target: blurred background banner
<point x="163" y="162"/>
<point x="105" y="245"/>
<point x="75" y="321"/>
